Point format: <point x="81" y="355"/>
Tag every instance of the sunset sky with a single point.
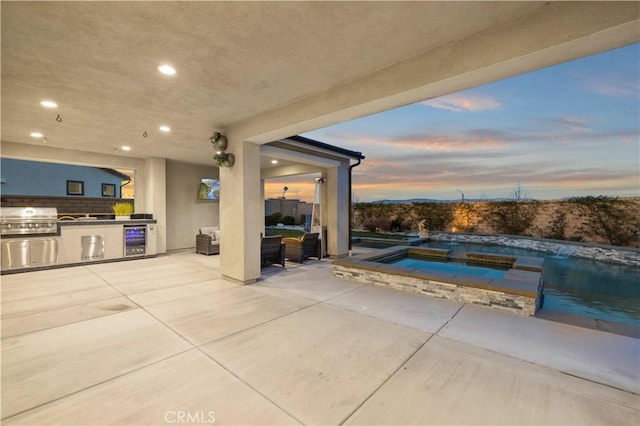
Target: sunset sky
<point x="569" y="130"/>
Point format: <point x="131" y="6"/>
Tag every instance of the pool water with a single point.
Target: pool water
<point x="576" y="286"/>
<point x="458" y="267"/>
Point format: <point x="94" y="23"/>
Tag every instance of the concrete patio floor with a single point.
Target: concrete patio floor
<point x="167" y="341"/>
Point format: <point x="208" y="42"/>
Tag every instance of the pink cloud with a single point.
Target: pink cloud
<point x="463" y="103"/>
<point x="446" y="144"/>
<point x="440" y="142"/>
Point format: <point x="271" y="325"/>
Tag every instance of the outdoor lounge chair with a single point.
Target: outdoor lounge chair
<point x="272" y="250"/>
<point x="299" y="249"/>
<point x="208" y="240"/>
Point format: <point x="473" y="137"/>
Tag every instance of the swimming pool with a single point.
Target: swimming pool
<point x="575" y="286"/>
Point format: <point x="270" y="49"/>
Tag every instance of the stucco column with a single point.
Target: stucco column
<point x="262" y="212"/>
<point x="324" y="210"/>
<point x="337" y="185"/>
<point x="241" y="218"/>
<point x="155" y="196"/>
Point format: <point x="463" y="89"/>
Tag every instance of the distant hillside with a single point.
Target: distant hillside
<point x="469" y="200"/>
<point x="431" y="200"/>
<point x="604" y="220"/>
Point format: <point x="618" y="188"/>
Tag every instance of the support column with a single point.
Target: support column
<point x="155" y="196"/>
<point x="324" y="210"/>
<point x="240" y="210"/>
<point x="338" y="211"/>
<point x="262" y="213"/>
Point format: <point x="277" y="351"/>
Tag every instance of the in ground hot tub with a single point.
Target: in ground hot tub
<point x="503" y="282"/>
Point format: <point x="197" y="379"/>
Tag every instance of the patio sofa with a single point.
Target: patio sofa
<point x="302" y="248"/>
<point x="272" y="250"/>
<point x="208" y="240"/>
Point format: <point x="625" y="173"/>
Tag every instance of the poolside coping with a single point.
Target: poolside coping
<point x="519" y="291"/>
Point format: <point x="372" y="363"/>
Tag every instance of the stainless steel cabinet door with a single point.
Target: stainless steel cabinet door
<point x="15" y="254"/>
<point x="92" y="247"/>
<point x="44" y="252"/>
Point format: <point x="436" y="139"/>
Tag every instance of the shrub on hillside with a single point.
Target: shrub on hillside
<point x="377" y="224"/>
<point x="437" y="216"/>
<point x="511" y="217"/>
<point x="557" y="226"/>
<point x="465" y="217"/>
<point x="397" y="225"/>
<point x="608" y="217"/>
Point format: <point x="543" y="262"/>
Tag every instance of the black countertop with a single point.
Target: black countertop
<point x="81" y="222"/>
<point x="84" y="222"/>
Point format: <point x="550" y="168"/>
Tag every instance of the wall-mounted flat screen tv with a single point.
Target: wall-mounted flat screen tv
<point x="209" y="189"/>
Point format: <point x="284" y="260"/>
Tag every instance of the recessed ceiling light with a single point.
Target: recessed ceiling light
<point x="167" y="69"/>
<point x="36" y="135"/>
<point x="125" y="148"/>
<point x="49" y="104"/>
<point x="274" y="161"/>
<point x="165" y="129"/>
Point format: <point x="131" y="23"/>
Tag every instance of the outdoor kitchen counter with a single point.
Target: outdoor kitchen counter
<point x="108" y="235"/>
<point x="74" y="242"/>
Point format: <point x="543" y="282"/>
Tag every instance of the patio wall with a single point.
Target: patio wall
<point x="185" y="213"/>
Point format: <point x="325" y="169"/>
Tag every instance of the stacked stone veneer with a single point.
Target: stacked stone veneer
<point x="619" y="255"/>
<point x="520" y="292"/>
<point x="64" y="205"/>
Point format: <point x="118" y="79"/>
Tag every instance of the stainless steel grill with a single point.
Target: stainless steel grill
<point x="28" y="221"/>
<point x="28" y="237"/>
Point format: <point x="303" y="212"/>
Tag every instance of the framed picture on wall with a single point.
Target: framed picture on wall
<point x="75" y="187"/>
<point x="108" y="190"/>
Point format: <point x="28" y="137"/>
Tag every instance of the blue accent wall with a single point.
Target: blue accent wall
<point x="21" y="177"/>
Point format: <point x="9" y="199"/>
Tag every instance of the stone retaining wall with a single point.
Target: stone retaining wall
<point x="514" y="303"/>
<point x="623" y="256"/>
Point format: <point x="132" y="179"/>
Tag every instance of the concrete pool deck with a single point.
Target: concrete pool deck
<point x="153" y="341"/>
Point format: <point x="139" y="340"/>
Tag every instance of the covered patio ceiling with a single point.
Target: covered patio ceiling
<point x="298" y="155"/>
<point x="262" y="71"/>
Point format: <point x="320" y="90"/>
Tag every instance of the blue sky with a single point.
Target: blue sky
<point x="568" y="130"/>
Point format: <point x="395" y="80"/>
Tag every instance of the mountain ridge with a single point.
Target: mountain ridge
<point x="432" y="200"/>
